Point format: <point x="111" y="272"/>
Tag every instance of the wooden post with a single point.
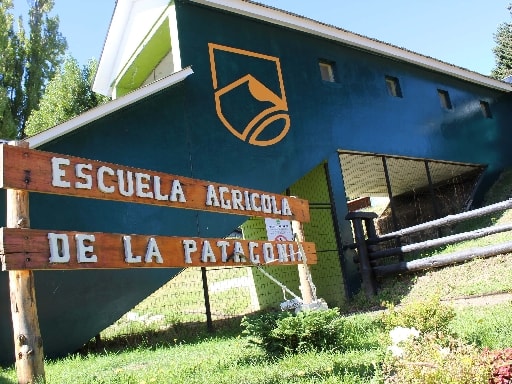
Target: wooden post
<point x="28" y="344"/>
<point x="304" y="274"/>
<point x="368" y="277"/>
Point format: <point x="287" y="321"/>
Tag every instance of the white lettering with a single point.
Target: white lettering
<point x="158" y="194"/>
<point x="58" y="173"/>
<point x="292" y="252"/>
<point x="247" y="201"/>
<point x="281" y="252"/>
<point x="285" y="206"/>
<point x="299" y="258"/>
<point x="268" y="253"/>
<point x="223" y="245"/>
<point x="82" y="250"/>
<point x="266" y="205"/>
<point x="153" y="251"/>
<point x="225" y="204"/>
<point x="128" y="189"/>
<point x="254" y="257"/>
<point x="128" y="255"/>
<point x="177" y="191"/>
<point x="211" y="197"/>
<point x="238" y="251"/>
<point x="207" y="253"/>
<point x="254" y="196"/>
<point x="274" y="206"/>
<point x="59" y="248"/>
<point x="142" y="184"/>
<point x="189" y="247"/>
<point x="101" y="181"/>
<point x="79" y="172"/>
<point x="236" y="198"/>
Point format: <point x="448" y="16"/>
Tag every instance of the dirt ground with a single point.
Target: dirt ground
<point x="481" y="300"/>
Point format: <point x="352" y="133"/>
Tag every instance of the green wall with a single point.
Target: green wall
<point x="326" y="274"/>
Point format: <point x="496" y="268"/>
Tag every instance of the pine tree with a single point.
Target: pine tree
<point x="503" y="50"/>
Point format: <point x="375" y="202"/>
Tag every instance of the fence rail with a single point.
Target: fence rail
<point x="369" y="244"/>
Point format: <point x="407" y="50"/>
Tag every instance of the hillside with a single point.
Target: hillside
<point x="479" y="281"/>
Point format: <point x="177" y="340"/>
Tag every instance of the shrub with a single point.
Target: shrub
<point x="434" y="358"/>
<point x="501" y="362"/>
<point x="258" y="329"/>
<point x="292" y="333"/>
<point x="426" y="316"/>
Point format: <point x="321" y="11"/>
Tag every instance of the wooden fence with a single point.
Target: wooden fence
<point x="372" y="247"/>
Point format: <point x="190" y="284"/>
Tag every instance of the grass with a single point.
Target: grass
<point x="168" y="351"/>
<point x="215" y="360"/>
<point x="227" y="357"/>
<point x="487" y="326"/>
<point x="181" y="301"/>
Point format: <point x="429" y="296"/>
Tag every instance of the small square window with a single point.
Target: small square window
<point x="486" y="109"/>
<point x="444" y="97"/>
<point x="327" y="71"/>
<point x="393" y="85"/>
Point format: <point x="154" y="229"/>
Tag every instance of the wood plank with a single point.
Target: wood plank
<point x="22" y="249"/>
<point x="45" y="172"/>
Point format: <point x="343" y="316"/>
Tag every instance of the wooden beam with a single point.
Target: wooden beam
<point x="443" y="259"/>
<point x="22" y="249"/>
<point x="45" y="172"/>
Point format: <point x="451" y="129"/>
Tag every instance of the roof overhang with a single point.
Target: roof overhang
<point x="131" y="22"/>
<point x="108" y="108"/>
<point x="139" y="16"/>
<point x="304" y="24"/>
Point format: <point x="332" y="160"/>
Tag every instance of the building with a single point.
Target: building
<point x="244" y="94"/>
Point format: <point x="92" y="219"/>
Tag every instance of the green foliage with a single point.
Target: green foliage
<point x="306" y="331"/>
<point x="434" y="358"/>
<point x="67" y="95"/>
<point x="503" y="50"/>
<point x="487" y="326"/>
<point x="28" y="61"/>
<point x="429" y="315"/>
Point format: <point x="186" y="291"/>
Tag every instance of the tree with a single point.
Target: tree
<point x="503" y="50"/>
<point x="26" y="63"/>
<point x="67" y="95"/>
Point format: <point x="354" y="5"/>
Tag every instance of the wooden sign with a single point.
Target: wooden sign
<point x="42" y="249"/>
<point x="45" y="172"/>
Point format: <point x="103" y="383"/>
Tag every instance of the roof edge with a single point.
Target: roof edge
<point x="304" y="24"/>
<point x="108" y="108"/>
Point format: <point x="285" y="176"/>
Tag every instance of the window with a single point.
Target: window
<point x="444" y="97"/>
<point x="327" y="70"/>
<point x="393" y="85"/>
<point x="486" y="109"/>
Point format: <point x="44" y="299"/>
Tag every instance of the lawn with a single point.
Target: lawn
<point x="181" y="353"/>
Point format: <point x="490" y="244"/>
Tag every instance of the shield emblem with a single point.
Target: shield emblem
<point x="250" y="98"/>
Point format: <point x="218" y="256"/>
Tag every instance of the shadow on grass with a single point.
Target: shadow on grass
<point x="389" y="290"/>
<point x="189" y="333"/>
<point x="4" y="380"/>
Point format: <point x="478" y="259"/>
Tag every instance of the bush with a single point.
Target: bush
<point x="285" y="332"/>
<point x="434" y="358"/>
<point x="501" y="362"/>
<point x="426" y="316"/>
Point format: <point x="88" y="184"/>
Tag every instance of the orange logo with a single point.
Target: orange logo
<point x="252" y="111"/>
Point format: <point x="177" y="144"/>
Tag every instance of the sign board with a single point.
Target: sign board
<point x="45" y="172"/>
<point x="42" y="249"/>
<point x="279" y="230"/>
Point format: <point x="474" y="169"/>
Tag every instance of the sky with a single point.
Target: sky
<point x="458" y="32"/>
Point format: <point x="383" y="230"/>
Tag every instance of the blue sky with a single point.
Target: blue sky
<point x="459" y="32"/>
